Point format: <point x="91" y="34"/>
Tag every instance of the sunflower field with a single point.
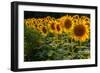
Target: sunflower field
<point x="63" y="38"/>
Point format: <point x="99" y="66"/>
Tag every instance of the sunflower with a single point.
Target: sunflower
<point x="52" y="26"/>
<point x="75" y="19"/>
<point x="47" y="19"/>
<point x="28" y="23"/>
<point x="44" y="30"/>
<point x="58" y="28"/>
<point x="67" y="23"/>
<point x="86" y="20"/>
<point x="80" y="32"/>
<point x="40" y="20"/>
<point x="84" y="17"/>
<point x="32" y="22"/>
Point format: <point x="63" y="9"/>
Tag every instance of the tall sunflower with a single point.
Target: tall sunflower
<point x="86" y="20"/>
<point x="67" y="23"/>
<point x="80" y="32"/>
<point x="75" y="19"/>
<point x="29" y="23"/>
<point x="52" y="26"/>
<point x="44" y="30"/>
<point x="58" y="28"/>
<point x="47" y="19"/>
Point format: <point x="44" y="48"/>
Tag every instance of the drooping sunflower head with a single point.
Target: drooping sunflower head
<point x="80" y="32"/>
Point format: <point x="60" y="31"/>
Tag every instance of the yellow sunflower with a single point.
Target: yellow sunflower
<point x="80" y="32"/>
<point x="75" y="19"/>
<point x="40" y="19"/>
<point x="67" y="23"/>
<point x="86" y="20"/>
<point x="52" y="26"/>
<point x="58" y="28"/>
<point x="44" y="30"/>
<point x="32" y="20"/>
<point x="28" y="22"/>
<point x="47" y="19"/>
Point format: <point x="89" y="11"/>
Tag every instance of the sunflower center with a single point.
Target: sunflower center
<point x="44" y="30"/>
<point x="68" y="24"/>
<point x="58" y="28"/>
<point x="79" y="30"/>
<point x="52" y="26"/>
